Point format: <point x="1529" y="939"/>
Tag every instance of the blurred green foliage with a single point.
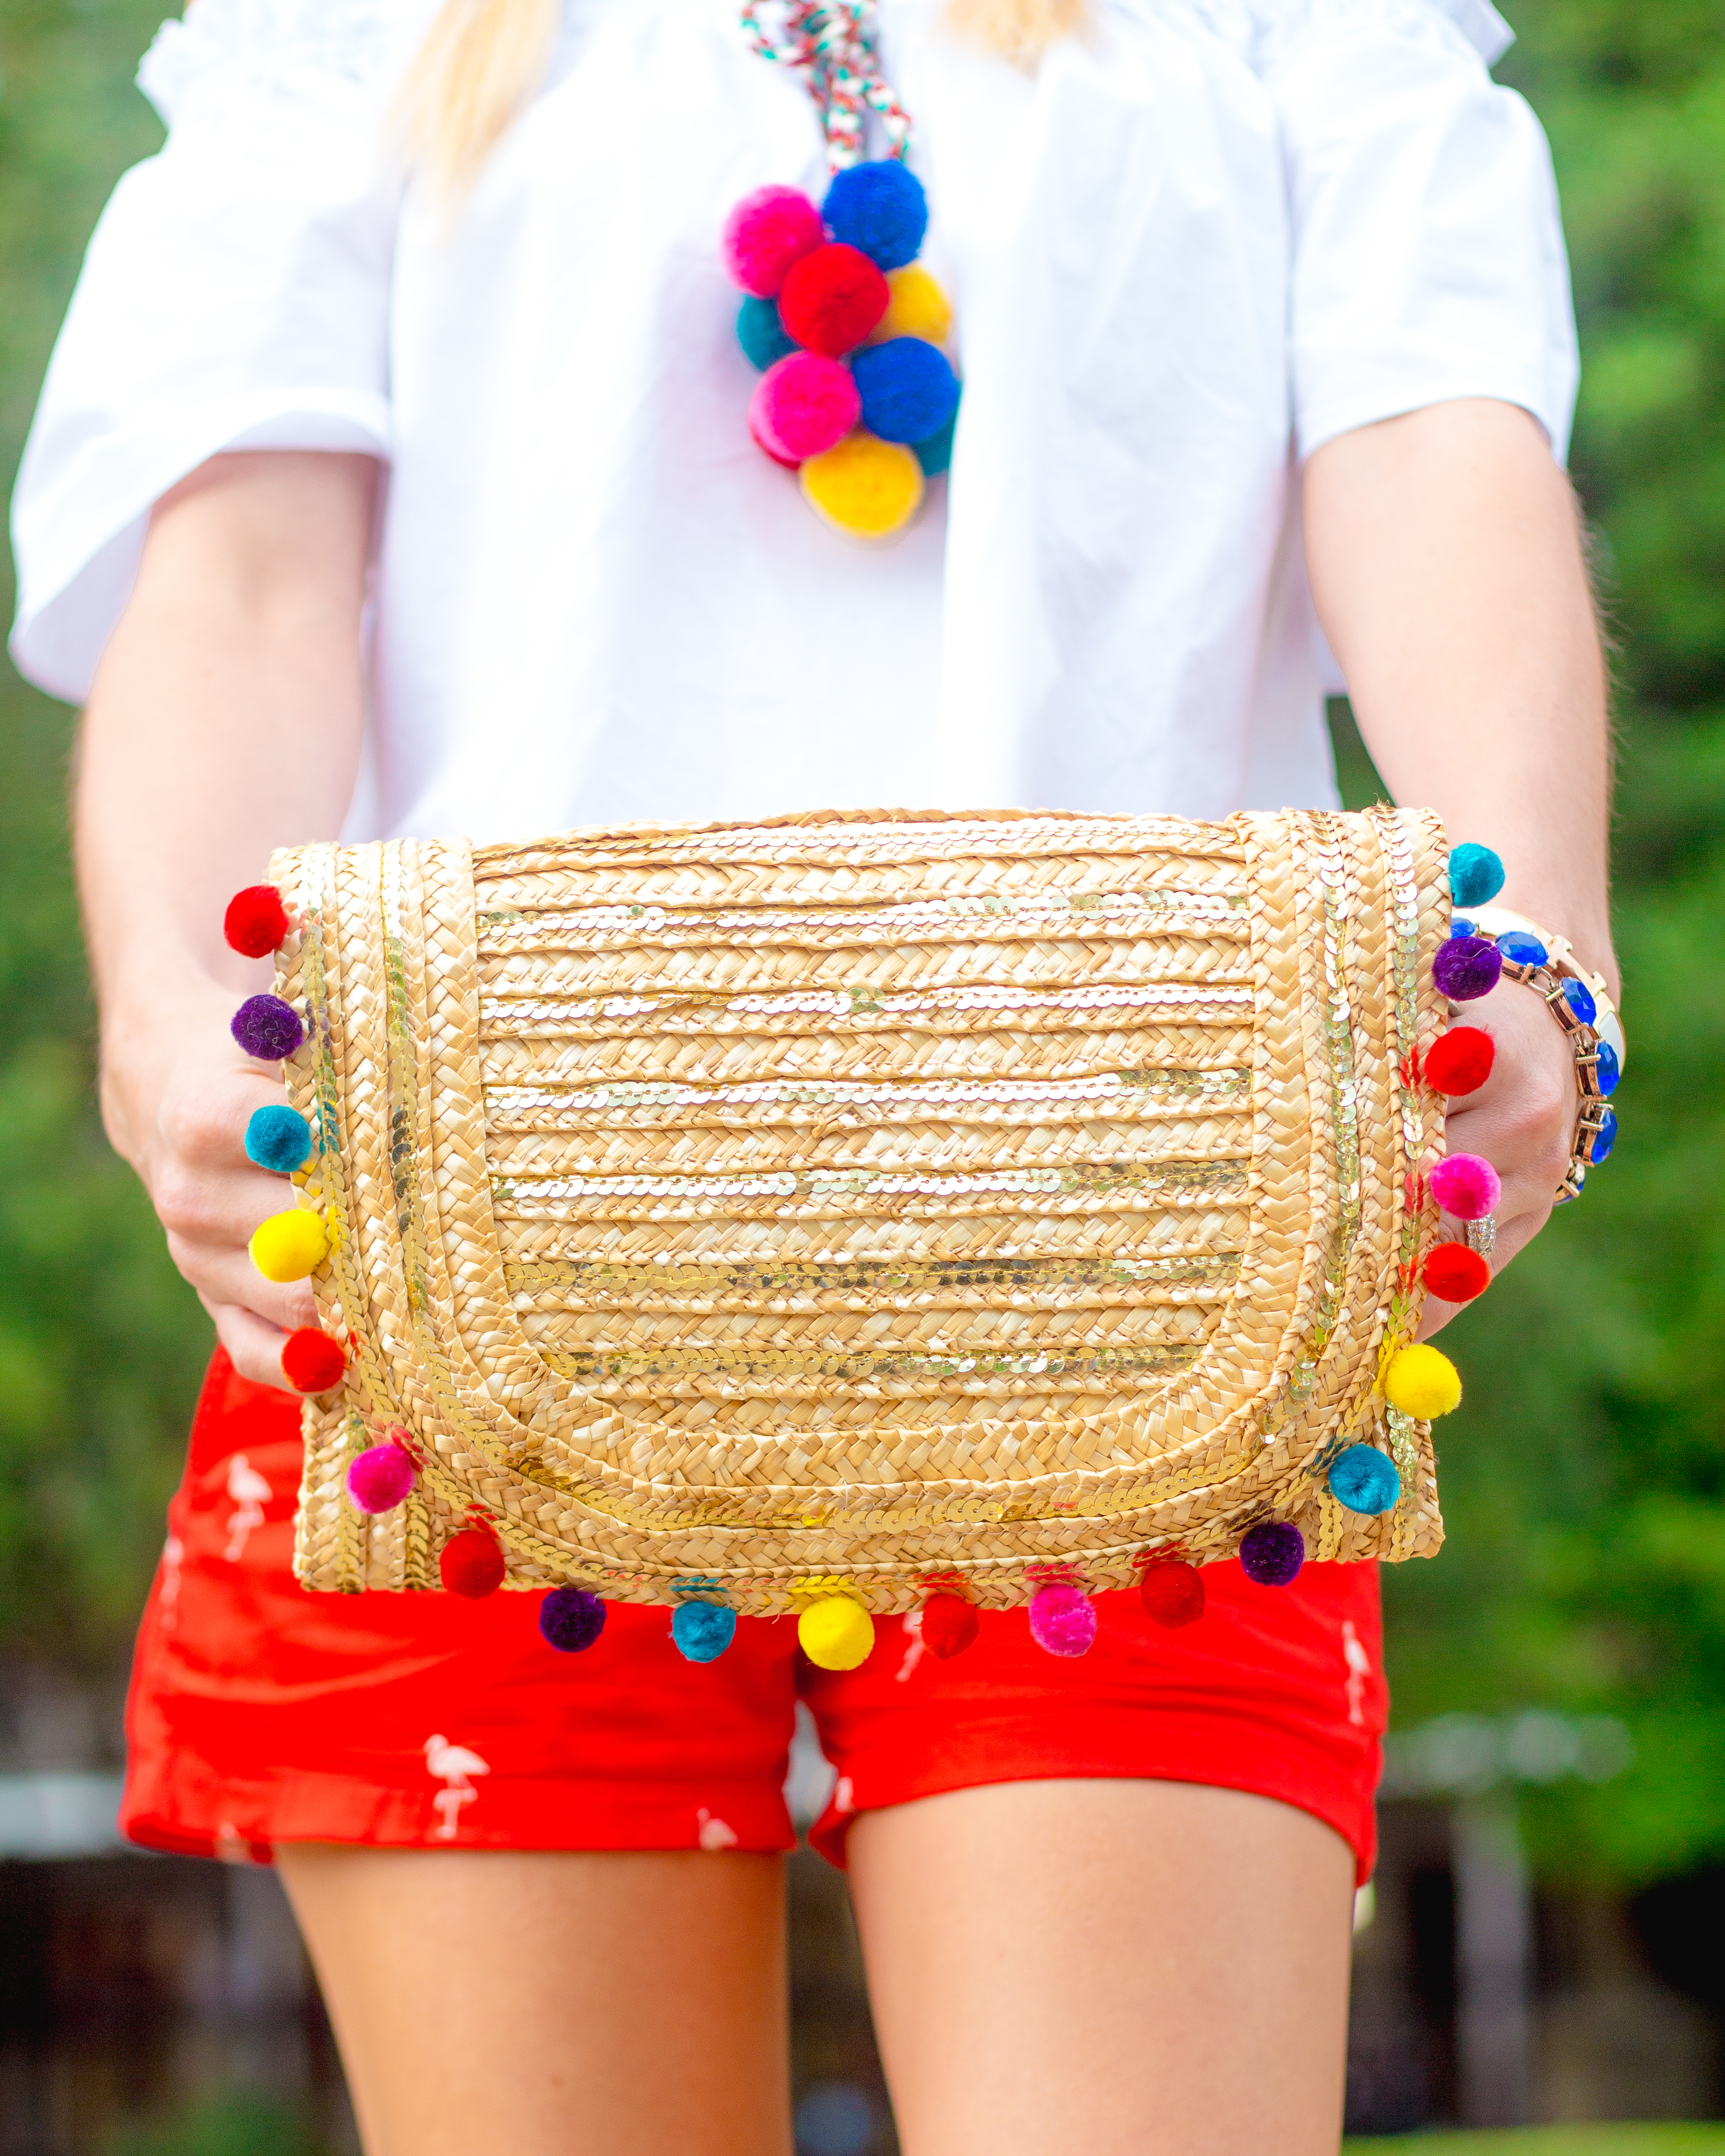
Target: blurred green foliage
<point x="1582" y="1480"/>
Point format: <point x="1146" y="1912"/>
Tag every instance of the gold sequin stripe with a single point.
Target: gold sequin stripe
<point x="780" y="1375"/>
<point x="916" y="1284"/>
<point x="863" y="1193"/>
<point x="1058" y="917"/>
<point x="986" y="1328"/>
<point x="892" y="1055"/>
<point x="770" y="1239"/>
<point x="953" y="1010"/>
<point x="1114" y="1096"/>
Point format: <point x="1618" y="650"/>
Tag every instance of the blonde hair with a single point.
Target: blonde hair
<point x="482" y="59"/>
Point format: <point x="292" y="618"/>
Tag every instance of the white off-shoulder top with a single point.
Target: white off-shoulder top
<point x="1184" y="254"/>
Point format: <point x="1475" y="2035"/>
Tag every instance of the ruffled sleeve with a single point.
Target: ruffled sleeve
<point x="1427" y="250"/>
<point x="235" y="296"/>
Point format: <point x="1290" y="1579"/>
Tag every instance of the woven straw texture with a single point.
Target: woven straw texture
<point x="858" y="1201"/>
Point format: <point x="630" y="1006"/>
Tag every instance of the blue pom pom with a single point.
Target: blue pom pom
<point x="702" y="1630"/>
<point x="1364" y="1481"/>
<point x="1522" y="949"/>
<point x="936" y="453"/>
<point x="1476" y="875"/>
<point x="279" y="1139"/>
<point x="880" y="208"/>
<point x="908" y="391"/>
<point x="761" y="333"/>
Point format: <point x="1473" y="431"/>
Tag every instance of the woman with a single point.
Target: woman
<point x="1260" y="303"/>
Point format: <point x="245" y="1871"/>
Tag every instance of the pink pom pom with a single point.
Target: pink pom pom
<point x="802" y="405"/>
<point x="766" y="233"/>
<point x="379" y="1480"/>
<point x="1063" y="1620"/>
<point x="1465" y="1186"/>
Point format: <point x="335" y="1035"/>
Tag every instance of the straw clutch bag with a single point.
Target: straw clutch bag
<point x="864" y="1206"/>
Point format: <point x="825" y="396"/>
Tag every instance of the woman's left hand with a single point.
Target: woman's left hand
<point x="1522" y="1120"/>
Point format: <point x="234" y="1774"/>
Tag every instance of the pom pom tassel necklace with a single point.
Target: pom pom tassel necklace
<point x="855" y="396"/>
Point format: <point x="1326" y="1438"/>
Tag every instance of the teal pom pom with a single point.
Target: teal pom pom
<point x="936" y="453"/>
<point x="1364" y="1479"/>
<point x="1476" y="875"/>
<point x="702" y="1630"/>
<point x="278" y="1138"/>
<point x="761" y="333"/>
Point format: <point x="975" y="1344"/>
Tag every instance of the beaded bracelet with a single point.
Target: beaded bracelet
<point x="1488" y="943"/>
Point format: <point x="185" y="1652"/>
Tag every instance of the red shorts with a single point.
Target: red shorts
<point x="259" y="1714"/>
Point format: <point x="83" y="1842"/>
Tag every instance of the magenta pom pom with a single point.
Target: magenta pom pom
<point x="1465" y="1186"/>
<point x="1466" y="968"/>
<point x="1063" y="1620"/>
<point x="803" y="404"/>
<point x="379" y="1480"/>
<point x="768" y="232"/>
<point x="1271" y="1553"/>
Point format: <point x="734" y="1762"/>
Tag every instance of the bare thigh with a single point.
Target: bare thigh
<point x="1129" y="1968"/>
<point x="553" y="2003"/>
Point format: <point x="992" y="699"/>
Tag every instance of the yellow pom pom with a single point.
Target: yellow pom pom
<point x="835" y="1633"/>
<point x="918" y="308"/>
<point x="290" y="1245"/>
<point x="1422" y="1383"/>
<point x="868" y="488"/>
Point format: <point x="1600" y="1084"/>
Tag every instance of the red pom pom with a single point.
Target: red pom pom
<point x="949" y="1625"/>
<point x="1172" y="1592"/>
<point x="803" y="404"/>
<point x="472" y="1563"/>
<point x="832" y="299"/>
<point x="1460" y="1060"/>
<point x="256" y="921"/>
<point x="311" y="1361"/>
<point x="1456" y="1273"/>
<point x="766" y="233"/>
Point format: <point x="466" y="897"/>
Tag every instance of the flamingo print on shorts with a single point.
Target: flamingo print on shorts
<point x="250" y="1494"/>
<point x="1360" y="1669"/>
<point x="454" y="1766"/>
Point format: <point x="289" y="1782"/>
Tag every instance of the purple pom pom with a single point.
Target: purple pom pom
<point x="1272" y="1553"/>
<point x="379" y="1480"/>
<point x="1467" y="968"/>
<point x="1063" y="1620"/>
<point x="266" y="1027"/>
<point x="571" y="1618"/>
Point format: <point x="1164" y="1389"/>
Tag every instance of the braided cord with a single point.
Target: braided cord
<point x="833" y="44"/>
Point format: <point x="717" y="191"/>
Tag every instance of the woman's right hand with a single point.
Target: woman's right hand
<point x="178" y="1093"/>
<point x="225" y="721"/>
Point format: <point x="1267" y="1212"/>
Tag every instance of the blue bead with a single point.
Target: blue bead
<point x="908" y="391"/>
<point x="1522" y="949"/>
<point x="761" y="333"/>
<point x="702" y="1630"/>
<point x="1604" y="1137"/>
<point x="1580" y="999"/>
<point x="1364" y="1479"/>
<point x="936" y="453"/>
<point x="1476" y="875"/>
<point x="1461" y="926"/>
<point x="278" y="1138"/>
<point x="1606" y="1071"/>
<point x="879" y="207"/>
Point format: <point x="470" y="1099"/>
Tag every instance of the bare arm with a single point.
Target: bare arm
<point x="225" y="721"/>
<point x="1445" y="557"/>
